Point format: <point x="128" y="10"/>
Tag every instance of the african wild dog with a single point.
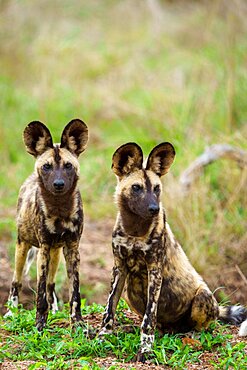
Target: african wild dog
<point x="161" y="284"/>
<point x="50" y="215"/>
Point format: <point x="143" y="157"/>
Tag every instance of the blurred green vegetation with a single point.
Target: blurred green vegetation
<point x="132" y="74"/>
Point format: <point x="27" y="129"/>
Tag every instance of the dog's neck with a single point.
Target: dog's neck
<point x="62" y="206"/>
<point x="134" y="225"/>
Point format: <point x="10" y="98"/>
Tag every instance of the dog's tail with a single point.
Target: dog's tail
<point x="235" y="315"/>
<point x="243" y="329"/>
<point x="32" y="253"/>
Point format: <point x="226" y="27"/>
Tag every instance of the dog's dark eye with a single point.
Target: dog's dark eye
<point x="47" y="166"/>
<point x="68" y="166"/>
<point x="136" y="188"/>
<point x="157" y="189"/>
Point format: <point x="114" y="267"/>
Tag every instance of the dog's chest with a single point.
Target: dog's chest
<point x="131" y="244"/>
<point x="60" y="225"/>
<point x="132" y="250"/>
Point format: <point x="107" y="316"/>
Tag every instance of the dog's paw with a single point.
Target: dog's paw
<point x="104" y="332"/>
<point x="40" y="325"/>
<point x="144" y="356"/>
<point x="41" y="321"/>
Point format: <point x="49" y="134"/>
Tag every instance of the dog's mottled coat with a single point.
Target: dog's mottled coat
<point x="161" y="285"/>
<point x="50" y="215"/>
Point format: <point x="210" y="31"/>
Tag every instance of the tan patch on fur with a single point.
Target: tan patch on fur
<point x="170" y="234"/>
<point x="41" y="144"/>
<point x="124" y="185"/>
<point x="72" y="144"/>
<point x="50" y="222"/>
<point x="161" y="158"/>
<point x="156" y="164"/>
<point x="160" y="226"/>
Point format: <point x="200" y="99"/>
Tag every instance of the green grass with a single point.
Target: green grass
<point x="58" y="347"/>
<point x="181" y="78"/>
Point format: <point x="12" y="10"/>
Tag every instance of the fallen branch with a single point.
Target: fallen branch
<point x="210" y="155"/>
<point x="241" y="274"/>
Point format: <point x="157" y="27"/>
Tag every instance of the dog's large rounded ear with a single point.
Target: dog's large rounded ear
<point x="37" y="138"/>
<point x="75" y="137"/>
<point x="126" y="159"/>
<point x="160" y="159"/>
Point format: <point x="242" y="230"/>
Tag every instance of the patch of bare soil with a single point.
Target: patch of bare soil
<point x="96" y="258"/>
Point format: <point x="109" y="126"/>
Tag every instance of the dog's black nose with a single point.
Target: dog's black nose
<point x="58" y="184"/>
<point x="153" y="208"/>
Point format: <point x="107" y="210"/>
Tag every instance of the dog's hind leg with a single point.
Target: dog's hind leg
<point x="55" y="254"/>
<point x="21" y="251"/>
<point x="205" y="308"/>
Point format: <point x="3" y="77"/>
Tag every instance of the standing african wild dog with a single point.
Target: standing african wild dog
<point x="161" y="284"/>
<point x="50" y="215"/>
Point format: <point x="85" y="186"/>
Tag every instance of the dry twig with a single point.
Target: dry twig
<point x="210" y="155"/>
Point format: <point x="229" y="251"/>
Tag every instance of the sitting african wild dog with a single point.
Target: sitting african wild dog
<point x="161" y="284"/>
<point x="50" y="215"/>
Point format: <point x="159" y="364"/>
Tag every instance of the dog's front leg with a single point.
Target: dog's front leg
<point x="21" y="251"/>
<point x="42" y="304"/>
<point x="119" y="273"/>
<point x="72" y="258"/>
<point x="150" y="316"/>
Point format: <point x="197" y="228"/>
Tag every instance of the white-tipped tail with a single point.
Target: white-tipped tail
<point x="30" y="257"/>
<point x="243" y="329"/>
<point x="234" y="315"/>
